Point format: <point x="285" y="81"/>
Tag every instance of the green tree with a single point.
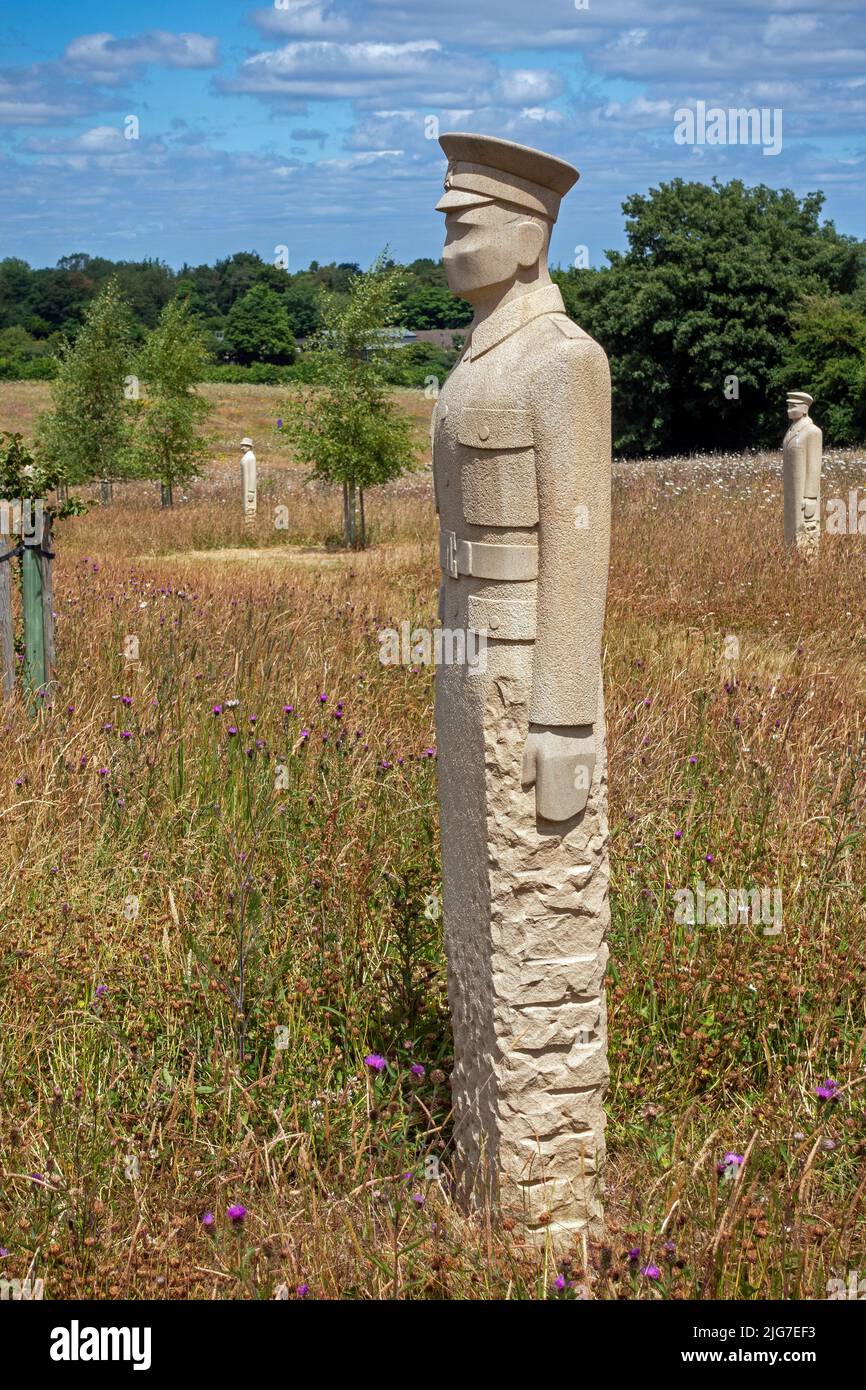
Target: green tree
<point x="826" y="356"/>
<point x="169" y="444"/>
<point x="258" y="328"/>
<point x="303" y="305"/>
<point x="85" y="433"/>
<point x="345" y="429"/>
<point x="705" y="293"/>
<point x="434" y="306"/>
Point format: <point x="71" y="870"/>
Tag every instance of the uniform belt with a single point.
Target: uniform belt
<point x="483" y="560"/>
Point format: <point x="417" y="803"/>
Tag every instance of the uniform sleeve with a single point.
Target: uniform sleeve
<point x="571" y="430"/>
<point x="814" y="447"/>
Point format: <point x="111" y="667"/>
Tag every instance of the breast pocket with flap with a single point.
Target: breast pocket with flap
<point x="498" y="471"/>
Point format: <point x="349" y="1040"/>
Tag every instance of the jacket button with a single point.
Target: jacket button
<point x="483" y="432"/>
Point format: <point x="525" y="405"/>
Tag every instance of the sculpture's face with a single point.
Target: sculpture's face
<point x="487" y="246"/>
<point x="796" y="410"/>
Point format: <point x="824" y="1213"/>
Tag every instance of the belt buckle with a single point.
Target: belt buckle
<point x="451" y="554"/>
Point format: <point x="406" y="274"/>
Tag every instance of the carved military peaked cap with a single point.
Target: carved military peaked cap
<point x="483" y="169"/>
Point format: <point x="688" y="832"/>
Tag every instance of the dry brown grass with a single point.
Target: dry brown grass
<point x="144" y="1104"/>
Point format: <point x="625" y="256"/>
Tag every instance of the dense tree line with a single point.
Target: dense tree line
<point x="725" y="297"/>
<point x="250" y="310"/>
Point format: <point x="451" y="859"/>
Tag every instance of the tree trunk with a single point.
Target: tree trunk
<point x="363" y="544"/>
<point x="349" y="513"/>
<point x="166" y="494"/>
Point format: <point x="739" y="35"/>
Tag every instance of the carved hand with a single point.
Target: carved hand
<point x="559" y="762"/>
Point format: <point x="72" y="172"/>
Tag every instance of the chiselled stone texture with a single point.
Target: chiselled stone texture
<point x="526" y="914"/>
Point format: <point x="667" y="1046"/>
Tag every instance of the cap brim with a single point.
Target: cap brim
<point x="458" y="199"/>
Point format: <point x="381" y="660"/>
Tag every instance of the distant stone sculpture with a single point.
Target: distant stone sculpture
<point x="801" y="476"/>
<point x="249" y="485"/>
<point x="521" y="458"/>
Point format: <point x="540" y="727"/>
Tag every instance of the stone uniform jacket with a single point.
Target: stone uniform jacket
<point x="801" y="470"/>
<point x="521" y="468"/>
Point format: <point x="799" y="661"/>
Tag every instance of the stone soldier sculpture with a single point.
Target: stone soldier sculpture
<point x="249" y="484"/>
<point x="801" y="476"/>
<point x="521" y="461"/>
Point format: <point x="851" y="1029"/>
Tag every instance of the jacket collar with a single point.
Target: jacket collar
<point x="513" y="315"/>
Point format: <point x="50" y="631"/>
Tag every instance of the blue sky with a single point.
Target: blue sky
<point x="306" y="123"/>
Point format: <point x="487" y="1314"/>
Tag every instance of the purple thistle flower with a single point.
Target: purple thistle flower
<point x="236" y="1214"/>
<point x="375" y="1062"/>
<point x="417" y="1069"/>
<point x="208" y="1219"/>
<point x="559" y="1281"/>
<point x="651" y="1272"/>
<point x="634" y="1254"/>
<point x="302" y="1290"/>
<point x="827" y="1090"/>
<point x="730" y="1163"/>
<point x="232" y="729"/>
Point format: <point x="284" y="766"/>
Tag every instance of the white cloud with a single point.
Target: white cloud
<point x="301" y="19"/>
<point x="518" y="86"/>
<point x="364" y="71"/>
<point x="103" y="58"/>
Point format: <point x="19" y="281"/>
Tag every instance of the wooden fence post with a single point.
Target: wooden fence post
<point x="49" y="652"/>
<point x="7" y="634"/>
<point x="31" y="591"/>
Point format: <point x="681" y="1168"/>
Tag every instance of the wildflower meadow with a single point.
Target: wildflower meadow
<point x="225" y="1055"/>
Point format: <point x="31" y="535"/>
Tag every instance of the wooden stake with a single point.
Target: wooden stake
<point x="7" y="635"/>
<point x="34" y="651"/>
<point x="48" y="613"/>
